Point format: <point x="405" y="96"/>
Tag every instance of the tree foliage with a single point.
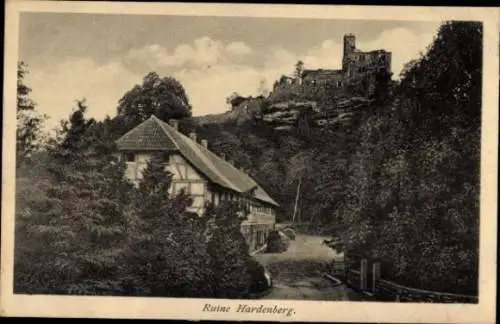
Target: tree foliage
<point x="413" y="201"/>
<point x="70" y="235"/>
<point x="400" y="181"/>
<point x="166" y="249"/>
<point x="228" y="251"/>
<point x="298" y="69"/>
<point x="29" y="136"/>
<point x="164" y="97"/>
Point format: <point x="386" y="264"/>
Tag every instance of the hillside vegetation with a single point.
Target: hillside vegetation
<point x="400" y="180"/>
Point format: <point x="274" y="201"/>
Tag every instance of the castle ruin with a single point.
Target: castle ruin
<point x="358" y="67"/>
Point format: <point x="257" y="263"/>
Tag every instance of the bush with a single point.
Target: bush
<point x="290" y="233"/>
<point x="228" y="252"/>
<point x="258" y="274"/>
<point x="166" y="253"/>
<point x="277" y="242"/>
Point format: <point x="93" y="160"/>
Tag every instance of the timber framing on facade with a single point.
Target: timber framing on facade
<point x="205" y="176"/>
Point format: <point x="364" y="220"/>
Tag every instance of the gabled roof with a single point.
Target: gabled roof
<point x="149" y="135"/>
<point x="154" y="134"/>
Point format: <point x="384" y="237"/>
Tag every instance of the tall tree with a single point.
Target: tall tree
<point x="299" y="67"/>
<point x="29" y="121"/>
<point x="74" y="136"/>
<point x="163" y="96"/>
<point x="228" y="250"/>
<point x="447" y="80"/>
<point x="412" y="194"/>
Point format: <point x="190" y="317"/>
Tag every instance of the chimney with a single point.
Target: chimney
<point x="192" y="136"/>
<point x="174" y="123"/>
<point x="204" y="143"/>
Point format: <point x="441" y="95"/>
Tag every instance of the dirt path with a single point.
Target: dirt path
<point x="297" y="273"/>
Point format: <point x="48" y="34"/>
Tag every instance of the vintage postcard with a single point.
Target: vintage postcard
<point x="250" y="162"/>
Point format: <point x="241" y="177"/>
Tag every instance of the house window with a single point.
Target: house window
<point x="165" y="157"/>
<point x="130" y="157"/>
<point x="339" y="84"/>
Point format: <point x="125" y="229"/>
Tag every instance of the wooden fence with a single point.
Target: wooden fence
<point x="365" y="276"/>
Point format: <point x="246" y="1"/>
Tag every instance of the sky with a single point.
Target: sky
<point x="100" y="57"/>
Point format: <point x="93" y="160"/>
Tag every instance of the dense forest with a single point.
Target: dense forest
<point x="399" y="183"/>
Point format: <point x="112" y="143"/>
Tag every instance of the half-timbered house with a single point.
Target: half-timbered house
<point x="205" y="176"/>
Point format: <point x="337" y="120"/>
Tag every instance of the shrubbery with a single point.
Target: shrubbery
<point x="277" y="242"/>
<point x="290" y="233"/>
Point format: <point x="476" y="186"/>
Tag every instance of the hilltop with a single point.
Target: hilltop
<point x="320" y="96"/>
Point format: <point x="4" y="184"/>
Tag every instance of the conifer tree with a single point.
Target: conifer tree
<point x="166" y="251"/>
<point x="76" y="232"/>
<point x="74" y="137"/>
<point x="29" y="122"/>
<point x="228" y="250"/>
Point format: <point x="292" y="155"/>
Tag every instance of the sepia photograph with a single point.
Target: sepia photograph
<point x="250" y="166"/>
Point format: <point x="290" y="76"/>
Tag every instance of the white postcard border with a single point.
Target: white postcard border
<point x="309" y="311"/>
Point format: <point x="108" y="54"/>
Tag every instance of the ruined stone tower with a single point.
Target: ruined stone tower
<point x="349" y="47"/>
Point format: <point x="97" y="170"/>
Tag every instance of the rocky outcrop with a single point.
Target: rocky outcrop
<point x="285" y="115"/>
<point x="342" y="111"/>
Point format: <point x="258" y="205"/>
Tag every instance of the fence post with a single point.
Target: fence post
<point x="363" y="274"/>
<point x="346" y="267"/>
<point x="376" y="276"/>
<point x="399" y="295"/>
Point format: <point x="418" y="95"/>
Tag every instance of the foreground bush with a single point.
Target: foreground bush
<point x="228" y="251"/>
<point x="277" y="242"/>
<point x="290" y="233"/>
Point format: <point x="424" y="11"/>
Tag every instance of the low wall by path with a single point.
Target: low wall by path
<point x="391" y="291"/>
<point x="366" y="278"/>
